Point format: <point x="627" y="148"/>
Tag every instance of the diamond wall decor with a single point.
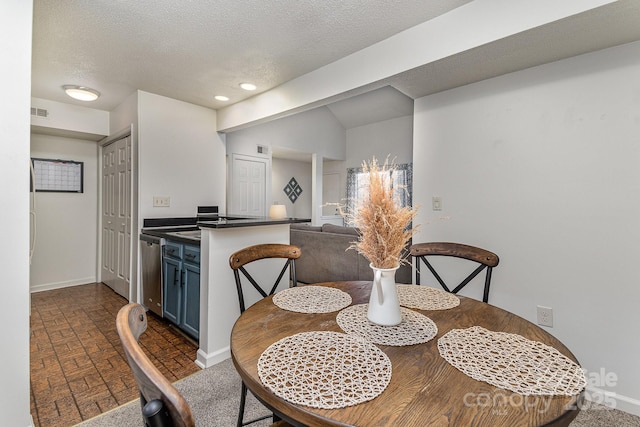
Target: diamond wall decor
<point x="293" y="190"/>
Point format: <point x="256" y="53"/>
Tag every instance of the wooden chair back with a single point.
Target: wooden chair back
<point x="485" y="259"/>
<point x="239" y="259"/>
<point x="162" y="405"/>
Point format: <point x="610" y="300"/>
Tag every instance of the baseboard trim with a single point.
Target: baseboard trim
<point x="613" y="400"/>
<point x="59" y="285"/>
<point x="205" y="360"/>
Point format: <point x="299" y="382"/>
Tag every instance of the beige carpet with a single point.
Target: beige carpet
<point x="214" y="394"/>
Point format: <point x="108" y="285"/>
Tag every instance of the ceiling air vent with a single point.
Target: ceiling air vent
<point x="39" y="112"/>
<point x="263" y="149"/>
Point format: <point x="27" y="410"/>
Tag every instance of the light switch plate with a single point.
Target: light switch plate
<point x="436" y="203"/>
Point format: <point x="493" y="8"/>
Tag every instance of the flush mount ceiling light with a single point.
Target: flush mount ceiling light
<point x="81" y="93"/>
<point x="248" y="86"/>
<point x="221" y="98"/>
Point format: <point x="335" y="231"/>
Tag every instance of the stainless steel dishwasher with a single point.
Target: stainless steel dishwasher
<point x="151" y="262"/>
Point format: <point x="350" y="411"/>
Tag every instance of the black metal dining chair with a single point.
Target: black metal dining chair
<point x="485" y="259"/>
<point x="237" y="262"/>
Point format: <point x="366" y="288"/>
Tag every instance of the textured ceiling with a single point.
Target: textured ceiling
<point x="193" y="50"/>
<point x="600" y="28"/>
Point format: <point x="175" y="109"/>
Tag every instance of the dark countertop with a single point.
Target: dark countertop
<point x="169" y="233"/>
<point x="181" y="233"/>
<point x="231" y="222"/>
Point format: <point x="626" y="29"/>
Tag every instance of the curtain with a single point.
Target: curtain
<point x="357" y="187"/>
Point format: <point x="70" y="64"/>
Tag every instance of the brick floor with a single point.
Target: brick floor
<point x="78" y="368"/>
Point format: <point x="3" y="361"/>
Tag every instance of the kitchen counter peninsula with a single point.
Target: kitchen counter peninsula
<point x="238" y="222"/>
<point x="219" y="308"/>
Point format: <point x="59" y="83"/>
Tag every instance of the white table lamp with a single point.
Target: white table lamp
<point x="278" y="211"/>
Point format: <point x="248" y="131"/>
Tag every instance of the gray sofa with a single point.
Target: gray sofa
<point x="325" y="258"/>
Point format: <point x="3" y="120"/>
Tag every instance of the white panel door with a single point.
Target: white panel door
<point x="249" y="187"/>
<point x="116" y="215"/>
<point x="108" y="273"/>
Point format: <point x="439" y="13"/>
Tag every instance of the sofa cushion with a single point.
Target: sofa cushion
<point x="324" y="257"/>
<point x="338" y="229"/>
<point x="305" y="226"/>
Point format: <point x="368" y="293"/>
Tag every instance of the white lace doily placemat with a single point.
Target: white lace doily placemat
<point x="415" y="328"/>
<point x="426" y="298"/>
<point x="312" y="299"/>
<point x="324" y="369"/>
<point x="511" y="362"/>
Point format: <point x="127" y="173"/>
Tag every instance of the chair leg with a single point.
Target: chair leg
<point x="243" y="399"/>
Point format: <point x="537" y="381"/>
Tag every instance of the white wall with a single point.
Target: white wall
<point x="180" y="155"/>
<point x="542" y="167"/>
<point x="393" y="138"/>
<point x="67" y="223"/>
<point x="15" y="44"/>
<point x="70" y="117"/>
<point x="315" y="131"/>
<point x="282" y="171"/>
<point x="318" y="131"/>
<point x="124" y="115"/>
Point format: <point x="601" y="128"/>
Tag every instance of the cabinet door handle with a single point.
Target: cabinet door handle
<point x="192" y="256"/>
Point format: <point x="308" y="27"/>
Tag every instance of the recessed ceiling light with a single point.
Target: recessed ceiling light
<point x="221" y="98"/>
<point x="81" y="93"/>
<point x="248" y="86"/>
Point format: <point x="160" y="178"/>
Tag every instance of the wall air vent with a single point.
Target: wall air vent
<point x="263" y="149"/>
<point x="39" y="112"/>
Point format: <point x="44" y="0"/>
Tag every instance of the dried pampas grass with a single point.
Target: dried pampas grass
<point x="384" y="226"/>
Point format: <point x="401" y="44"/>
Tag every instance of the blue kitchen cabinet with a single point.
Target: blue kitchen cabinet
<point x="181" y="269"/>
<point x="172" y="272"/>
<point x="191" y="291"/>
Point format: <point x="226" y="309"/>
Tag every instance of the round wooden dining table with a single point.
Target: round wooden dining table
<point x="425" y="390"/>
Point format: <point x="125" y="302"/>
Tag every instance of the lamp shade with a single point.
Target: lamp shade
<point x="278" y="211"/>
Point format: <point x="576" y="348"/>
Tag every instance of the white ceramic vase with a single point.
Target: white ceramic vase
<point x="384" y="308"/>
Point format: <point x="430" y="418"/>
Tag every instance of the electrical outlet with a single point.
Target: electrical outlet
<point x="161" y="201"/>
<point x="545" y="316"/>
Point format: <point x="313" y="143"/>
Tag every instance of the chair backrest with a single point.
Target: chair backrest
<point x="485" y="259"/>
<point x="162" y="405"/>
<point x="239" y="259"/>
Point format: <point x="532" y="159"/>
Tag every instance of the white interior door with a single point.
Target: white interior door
<point x="249" y="186"/>
<point x="116" y="215"/>
<point x="108" y="273"/>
